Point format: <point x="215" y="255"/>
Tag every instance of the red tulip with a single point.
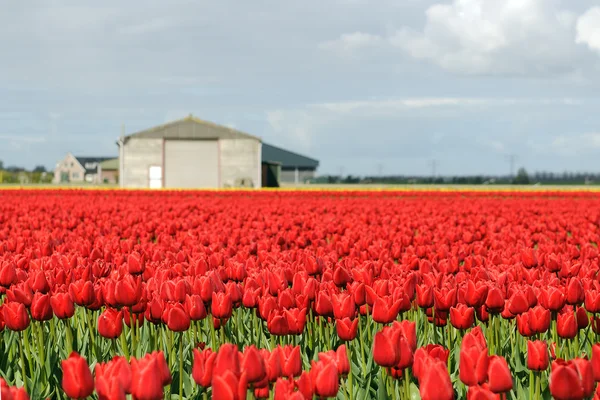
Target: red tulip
<point x="566" y="325"/>
<point x="8" y="274"/>
<point x="424" y="296"/>
<point x="82" y="293"/>
<point x="575" y="292"/>
<point x="537" y="355"/>
<point x="221" y="306"/>
<point x="462" y="317"/>
<point x="571" y="380"/>
<point x="20" y="293"/>
<point x="423" y="356"/>
<point x="592" y="301"/>
<point x="296" y="320"/>
<point x="495" y="300"/>
<point x="62" y="305"/>
<point x="110" y="323"/>
<point x="476" y="294"/>
<point x="499" y="378"/>
<point x="15" y="316"/>
<point x="518" y="303"/>
<point x="177" y="318"/>
<point x="553" y="298"/>
<point x="254" y="364"/>
<point x="40" y="307"/>
<point x="147" y="378"/>
<point x="325" y="379"/>
<point x="386" y="347"/>
<point x="203" y="366"/>
<point x="539" y="319"/>
<point x="343" y="306"/>
<point x="346" y="328"/>
<point x="128" y="290"/>
<point x="322" y="305"/>
<point x="228" y="386"/>
<point x="77" y="381"/>
<point x="385" y="310"/>
<point x="596" y="361"/>
<point x="113" y="379"/>
<point x="195" y="307"/>
<point x="444" y="299"/>
<point x="434" y="382"/>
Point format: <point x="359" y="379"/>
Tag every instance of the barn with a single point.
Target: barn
<point x="294" y="168"/>
<point x="190" y="153"/>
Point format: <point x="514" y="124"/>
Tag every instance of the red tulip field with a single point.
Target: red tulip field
<point x="295" y="295"/>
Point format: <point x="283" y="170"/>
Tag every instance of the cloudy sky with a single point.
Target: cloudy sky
<point x="365" y="87"/>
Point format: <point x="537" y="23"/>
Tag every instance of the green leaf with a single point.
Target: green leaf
<point x="414" y="392"/>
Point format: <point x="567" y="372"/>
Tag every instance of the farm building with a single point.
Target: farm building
<point x="109" y="171"/>
<point x="78" y="169"/>
<point x="294" y="168"/>
<point x="190" y="153"/>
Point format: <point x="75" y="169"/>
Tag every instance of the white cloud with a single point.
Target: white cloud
<point x="588" y="28"/>
<point x="350" y="42"/>
<point x="22" y="139"/>
<point x="292" y="127"/>
<point x="493" y="37"/>
<point x="395" y="105"/>
<point x="508" y="37"/>
<point x="574" y="145"/>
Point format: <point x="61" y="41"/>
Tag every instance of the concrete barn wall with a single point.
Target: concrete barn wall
<point x="240" y="160"/>
<point x="290" y="176"/>
<point x="139" y="155"/>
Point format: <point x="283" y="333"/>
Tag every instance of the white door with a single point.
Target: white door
<point x="155" y="174"/>
<point x="191" y="164"/>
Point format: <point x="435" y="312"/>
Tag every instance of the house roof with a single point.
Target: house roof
<point x="190" y="127"/>
<point x="108" y="165"/>
<point x="90" y="164"/>
<point x="287" y="158"/>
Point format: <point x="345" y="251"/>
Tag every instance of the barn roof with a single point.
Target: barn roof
<point x="190" y="127"/>
<point x="287" y="158"/>
<point x="90" y="164"/>
<point x="110" y="164"/>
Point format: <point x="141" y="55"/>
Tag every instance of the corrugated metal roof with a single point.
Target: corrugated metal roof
<point x="191" y="127"/>
<point x="287" y="158"/>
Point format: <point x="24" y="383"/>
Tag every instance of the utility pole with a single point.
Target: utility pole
<point x="512" y="159"/>
<point x="433" y="164"/>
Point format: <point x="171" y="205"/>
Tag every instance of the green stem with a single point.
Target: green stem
<point x="181" y="366"/>
<point x="92" y="333"/>
<point x="28" y="350"/>
<point x="407" y="383"/>
<point x="362" y="347"/>
<point x="69" y="337"/>
<point x="531" y="383"/>
<point x="40" y="344"/>
<point x="23" y="374"/>
<point x="124" y="346"/>
<point x="349" y="348"/>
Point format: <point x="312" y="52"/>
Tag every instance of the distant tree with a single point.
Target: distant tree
<point x="40" y="168"/>
<point x="522" y="177"/>
<point x="1" y="164"/>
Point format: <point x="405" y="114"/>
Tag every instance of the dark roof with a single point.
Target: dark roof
<point x="287" y="158"/>
<point x="190" y="127"/>
<point x="90" y="164"/>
